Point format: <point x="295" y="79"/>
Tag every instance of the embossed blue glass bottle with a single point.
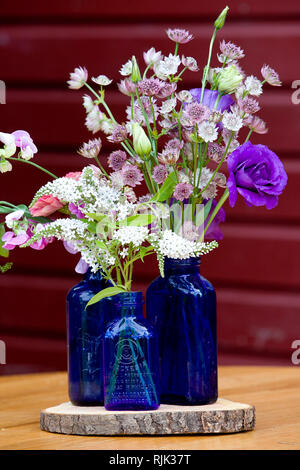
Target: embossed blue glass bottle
<point x="182" y="306"/>
<point x="131" y="368"/>
<point x="85" y="329"/>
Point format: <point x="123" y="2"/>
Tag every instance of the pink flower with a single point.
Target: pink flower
<point x="159" y="174"/>
<point x="74" y="174"/>
<point x="25" y="143"/>
<point x="12" y="240"/>
<point x="256" y="124"/>
<point x="131" y="175"/>
<point x="196" y="112"/>
<point x="167" y="90"/>
<point x="183" y="191"/>
<point x="117" y="159"/>
<point x="270" y="75"/>
<point x="119" y="134"/>
<point x="179" y="35"/>
<point x="77" y="78"/>
<point x="150" y="86"/>
<point x="45" y="206"/>
<point x="127" y="87"/>
<point x="230" y="51"/>
<point x="248" y="105"/>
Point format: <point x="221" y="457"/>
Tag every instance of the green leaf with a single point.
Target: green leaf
<point x="96" y="217"/>
<point x="139" y="220"/>
<point x="92" y="226"/>
<point x="167" y="189"/>
<point x="108" y="292"/>
<point x="101" y="244"/>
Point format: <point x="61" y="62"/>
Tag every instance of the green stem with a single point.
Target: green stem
<point x="33" y="164"/>
<point x="220" y="164"/>
<point x="208" y="64"/>
<point x="216" y="210"/>
<point x="248" y="136"/>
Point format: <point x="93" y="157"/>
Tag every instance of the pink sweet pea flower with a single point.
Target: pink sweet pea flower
<point x="12" y="240"/>
<point x="46" y="205"/>
<point x="25" y="142"/>
<point x="73" y="174"/>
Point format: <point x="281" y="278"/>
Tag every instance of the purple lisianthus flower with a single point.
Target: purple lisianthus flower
<point x="210" y="97"/>
<point x="214" y="232"/>
<point x="257" y="174"/>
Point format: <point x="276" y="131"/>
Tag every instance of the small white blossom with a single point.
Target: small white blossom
<point x="208" y="131"/>
<point x="232" y="121"/>
<point x="168" y="106"/>
<point x="253" y="86"/>
<point x="126" y="69"/>
<point x="94" y="119"/>
<point x="184" y="96"/>
<point x="168" y="66"/>
<point x="130" y="234"/>
<point x="88" y="103"/>
<point x="77" y="78"/>
<point x="102" y="80"/>
<point x="151" y="56"/>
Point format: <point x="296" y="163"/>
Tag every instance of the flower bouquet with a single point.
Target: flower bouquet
<point x="189" y="152"/>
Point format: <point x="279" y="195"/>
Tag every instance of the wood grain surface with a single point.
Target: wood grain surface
<point x="273" y="390"/>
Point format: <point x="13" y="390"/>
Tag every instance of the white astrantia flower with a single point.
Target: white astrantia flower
<point x="168" y="106"/>
<point x="253" y="86"/>
<point x="152" y="56"/>
<point x="94" y="119"/>
<point x="168" y="66"/>
<point x="102" y="80"/>
<point x="88" y="103"/>
<point x="208" y="131"/>
<point x="130" y="234"/>
<point x="232" y="121"/>
<point x="126" y="69"/>
<point x="203" y="177"/>
<point x="184" y="96"/>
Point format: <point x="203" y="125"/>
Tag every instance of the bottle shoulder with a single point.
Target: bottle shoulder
<point x="179" y="281"/>
<point x="129" y="326"/>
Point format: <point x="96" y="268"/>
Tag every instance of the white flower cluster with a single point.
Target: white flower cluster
<point x="130" y="234"/>
<point x="65" y="189"/>
<point x="174" y="246"/>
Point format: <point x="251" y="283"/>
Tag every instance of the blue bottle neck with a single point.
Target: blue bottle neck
<point x="91" y="276"/>
<point x="128" y="304"/>
<point x="182" y="266"/>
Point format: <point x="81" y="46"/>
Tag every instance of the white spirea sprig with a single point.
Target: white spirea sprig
<point x="135" y="235"/>
<point x="170" y="244"/>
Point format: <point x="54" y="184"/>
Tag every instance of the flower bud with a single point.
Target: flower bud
<point x="135" y="74"/>
<point x="219" y="23"/>
<point x="5" y="166"/>
<point x="141" y="143"/>
<point x="229" y="79"/>
<point x="9" y="145"/>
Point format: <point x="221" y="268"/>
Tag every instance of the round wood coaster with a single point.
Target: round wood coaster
<point x="224" y="416"/>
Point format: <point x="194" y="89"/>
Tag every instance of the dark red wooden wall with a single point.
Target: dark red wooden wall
<point x="256" y="270"/>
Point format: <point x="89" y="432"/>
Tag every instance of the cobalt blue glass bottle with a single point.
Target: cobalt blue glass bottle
<point x="182" y="306"/>
<point x="85" y="329"/>
<point x="131" y="367"/>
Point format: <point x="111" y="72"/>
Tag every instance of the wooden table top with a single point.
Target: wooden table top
<point x="275" y="392"/>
